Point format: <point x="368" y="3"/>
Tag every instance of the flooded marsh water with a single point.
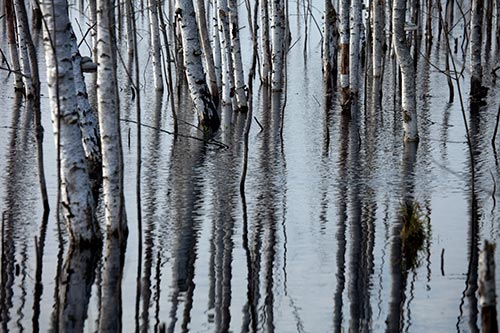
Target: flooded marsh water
<point x="312" y="246"/>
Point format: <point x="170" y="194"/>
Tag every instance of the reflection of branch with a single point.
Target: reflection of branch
<point x="209" y="141"/>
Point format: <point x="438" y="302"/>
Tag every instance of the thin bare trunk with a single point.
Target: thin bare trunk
<point x="112" y="167"/>
<point x="408" y="102"/>
<point x="207" y="51"/>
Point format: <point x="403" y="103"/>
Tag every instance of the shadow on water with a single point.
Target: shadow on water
<point x="399" y="274"/>
<point x="260" y="235"/>
<point x="73" y="295"/>
<point x="187" y="158"/>
<point x="469" y="301"/>
<point x="18" y="210"/>
<point x="150" y="218"/>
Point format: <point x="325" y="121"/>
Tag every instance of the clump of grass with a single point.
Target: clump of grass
<point x="412" y="234"/>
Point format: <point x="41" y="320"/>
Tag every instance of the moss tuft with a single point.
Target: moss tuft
<point x="412" y="234"/>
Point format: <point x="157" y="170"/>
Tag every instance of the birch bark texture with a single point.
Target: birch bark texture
<point x="408" y="100"/>
<point x="354" y="45"/>
<point x="265" y="48"/>
<point x="76" y="197"/>
<point x="154" y="32"/>
<point x="208" y="117"/>
<point x="476" y="70"/>
<point x="344" y="52"/>
<point x="11" y="40"/>
<point x="207" y="51"/>
<point x="112" y="168"/>
<point x="226" y="62"/>
<point x="330" y="46"/>
<point x="23" y="34"/>
<point x="277" y="44"/>
<point x="87" y="117"/>
<point x="239" y="76"/>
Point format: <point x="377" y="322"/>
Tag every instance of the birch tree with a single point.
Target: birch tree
<point x="226" y="62"/>
<point x="11" y="40"/>
<point x="476" y="70"/>
<point x="265" y="48"/>
<point x="208" y="117"/>
<point x="408" y="102"/>
<point x="112" y="164"/>
<point x="354" y="45"/>
<point x="87" y="118"/>
<point x="207" y="51"/>
<point x="239" y="76"/>
<point x="154" y="32"/>
<point x="76" y="197"/>
<point x="330" y="45"/>
<point x="344" y="53"/>
<point x="22" y="35"/>
<point x="277" y="44"/>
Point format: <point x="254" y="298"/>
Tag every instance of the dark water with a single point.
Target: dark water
<point x="312" y="247"/>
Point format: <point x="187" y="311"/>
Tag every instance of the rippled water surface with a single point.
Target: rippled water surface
<point x="312" y="246"/>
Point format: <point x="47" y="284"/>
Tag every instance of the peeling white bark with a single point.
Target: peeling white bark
<point x="76" y="198"/>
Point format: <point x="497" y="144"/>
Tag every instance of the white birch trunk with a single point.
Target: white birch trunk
<point x="22" y="43"/>
<point x="226" y="62"/>
<point x="11" y="39"/>
<point x="239" y="76"/>
<point x="216" y="48"/>
<point x="154" y="32"/>
<point x="76" y="197"/>
<point x="277" y="44"/>
<point x="330" y="45"/>
<point x="198" y="88"/>
<point x="265" y="48"/>
<point x="344" y="51"/>
<point x="114" y="204"/>
<point x="207" y="51"/>
<point x="408" y="102"/>
<point x="354" y="42"/>
<point x="476" y="70"/>
<point x="87" y="116"/>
